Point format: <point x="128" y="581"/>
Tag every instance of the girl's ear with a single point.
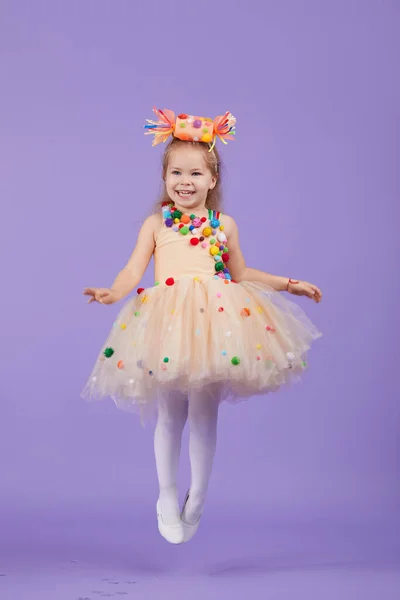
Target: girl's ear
<point x="213" y="182"/>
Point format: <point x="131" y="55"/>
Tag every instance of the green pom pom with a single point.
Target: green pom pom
<point x="212" y="241"/>
<point x="192" y="216"/>
<point x="166" y="359"/>
<point x="235" y="360"/>
<point x="219" y="266"/>
<point x="184" y="230"/>
<point x="108" y="352"/>
<point x="176" y="214"/>
<point x="137" y="313"/>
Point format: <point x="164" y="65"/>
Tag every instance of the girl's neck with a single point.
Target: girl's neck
<point x="197" y="210"/>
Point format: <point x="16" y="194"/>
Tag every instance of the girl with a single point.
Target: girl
<point x="210" y="329"/>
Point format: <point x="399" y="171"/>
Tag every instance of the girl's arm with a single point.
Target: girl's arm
<point x="240" y="272"/>
<point x="134" y="269"/>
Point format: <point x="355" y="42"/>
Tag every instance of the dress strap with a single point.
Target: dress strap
<point x="214" y="215"/>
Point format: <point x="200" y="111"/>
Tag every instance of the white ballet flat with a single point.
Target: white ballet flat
<point x="189" y="530"/>
<point x="174" y="534"/>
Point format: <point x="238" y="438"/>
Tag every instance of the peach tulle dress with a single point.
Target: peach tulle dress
<point x="196" y="328"/>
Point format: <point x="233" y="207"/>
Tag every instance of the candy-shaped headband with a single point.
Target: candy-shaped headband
<point x="190" y="128"/>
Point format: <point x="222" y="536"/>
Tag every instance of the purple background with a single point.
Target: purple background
<point x="304" y="494"/>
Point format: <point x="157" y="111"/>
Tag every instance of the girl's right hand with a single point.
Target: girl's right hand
<point x="102" y="295"/>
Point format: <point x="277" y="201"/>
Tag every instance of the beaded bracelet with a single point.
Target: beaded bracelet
<point x="291" y="281"/>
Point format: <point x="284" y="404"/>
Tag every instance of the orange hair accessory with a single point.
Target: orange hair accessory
<point x="189" y="128"/>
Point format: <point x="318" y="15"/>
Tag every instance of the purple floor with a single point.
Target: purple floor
<point x="76" y="557"/>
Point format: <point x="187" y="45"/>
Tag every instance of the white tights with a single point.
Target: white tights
<point x="201" y="409"/>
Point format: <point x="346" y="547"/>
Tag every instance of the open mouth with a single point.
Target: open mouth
<point x="184" y="194"/>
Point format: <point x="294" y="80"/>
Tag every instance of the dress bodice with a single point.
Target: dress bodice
<point x="187" y="245"/>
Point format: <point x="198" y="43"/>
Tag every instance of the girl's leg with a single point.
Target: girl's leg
<point x="203" y="416"/>
<point x="172" y="416"/>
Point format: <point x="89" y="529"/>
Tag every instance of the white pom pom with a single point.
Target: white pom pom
<point x="290" y="356"/>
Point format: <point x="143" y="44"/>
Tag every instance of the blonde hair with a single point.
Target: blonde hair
<point x="213" y="163"/>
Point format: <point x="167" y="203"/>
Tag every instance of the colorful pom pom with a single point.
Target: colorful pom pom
<point x="184" y="230"/>
<point x="207" y="231"/>
<point x="235" y="360"/>
<point x="120" y="364"/>
<point x="245" y="312"/>
<point x="194" y="241"/>
<point x="214" y="223"/>
<point x="140" y="290"/>
<point x="170" y="281"/>
<point x="108" y="352"/>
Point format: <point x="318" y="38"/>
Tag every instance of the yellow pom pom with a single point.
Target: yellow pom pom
<point x="207" y="231"/>
<point x="123" y="326"/>
<point x="177" y="220"/>
<point x="221" y="227"/>
<point x="207" y="137"/>
<point x="214" y="250"/>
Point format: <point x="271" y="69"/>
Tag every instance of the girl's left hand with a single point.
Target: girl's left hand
<point x="303" y="288"/>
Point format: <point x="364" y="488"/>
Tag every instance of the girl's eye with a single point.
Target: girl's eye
<point x="196" y="173"/>
<point x="175" y="172"/>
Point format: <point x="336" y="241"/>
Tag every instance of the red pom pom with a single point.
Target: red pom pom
<point x="221" y="309"/>
<point x="203" y="219"/>
<point x="225" y="257"/>
<point x="166" y="203"/>
<point x="194" y="241"/>
<point x="140" y="290"/>
<point x="170" y="281"/>
<point x="180" y="225"/>
<point x="182" y="116"/>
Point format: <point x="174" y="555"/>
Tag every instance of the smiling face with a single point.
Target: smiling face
<point x="188" y="179"/>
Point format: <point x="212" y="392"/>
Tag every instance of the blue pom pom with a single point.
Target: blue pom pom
<point x="214" y="223"/>
<point x="191" y="227"/>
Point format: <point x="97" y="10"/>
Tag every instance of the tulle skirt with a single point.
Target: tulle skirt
<point x="240" y="338"/>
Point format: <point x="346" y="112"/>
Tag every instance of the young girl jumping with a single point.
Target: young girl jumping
<point x="210" y="329"/>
